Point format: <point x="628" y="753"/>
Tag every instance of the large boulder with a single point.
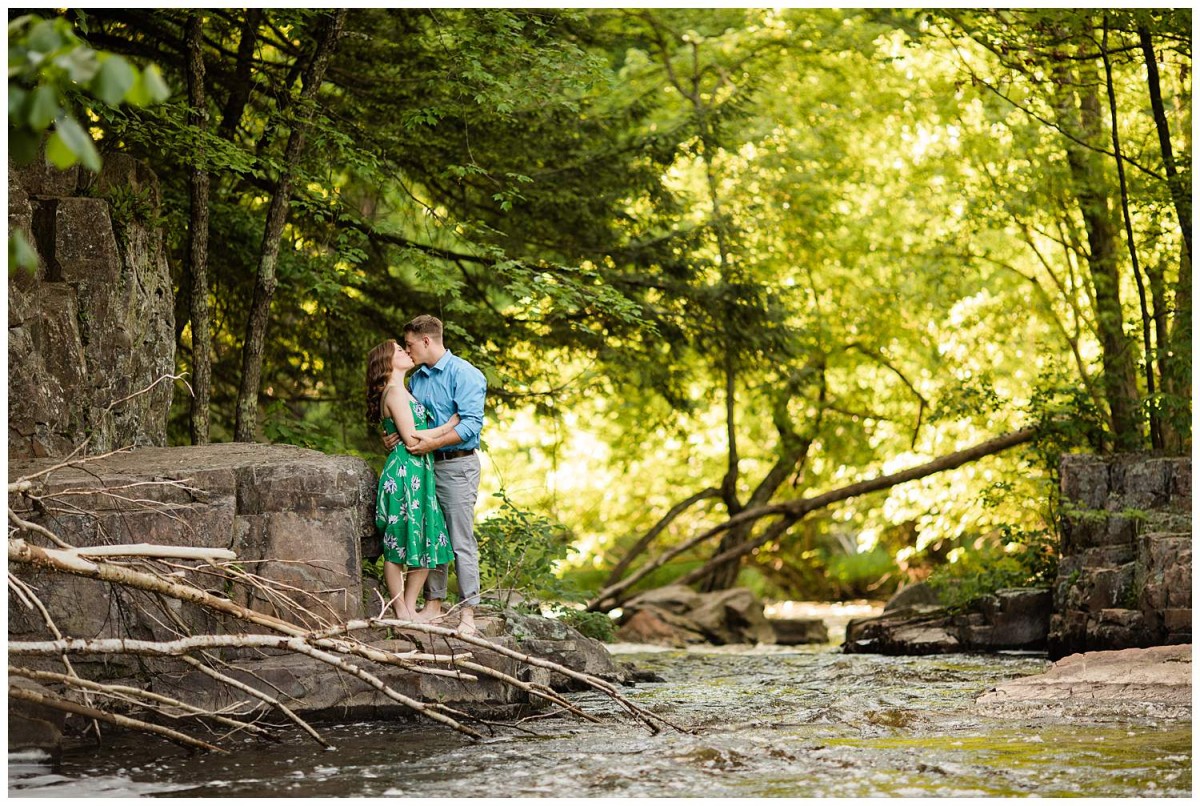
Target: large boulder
<point x="294" y="517"/>
<point x="318" y="692"/>
<point x="92" y="328"/>
<point x="675" y="615"/>
<point x="1124" y="579"/>
<point x="560" y="643"/>
<point x="1009" y="619"/>
<point x="32" y="725"/>
<point x="795" y="631"/>
<point x="1155" y="675"/>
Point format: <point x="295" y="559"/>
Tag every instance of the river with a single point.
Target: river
<point x="765" y="722"/>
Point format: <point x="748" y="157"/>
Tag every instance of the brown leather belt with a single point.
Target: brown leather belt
<point x="440" y="455"/>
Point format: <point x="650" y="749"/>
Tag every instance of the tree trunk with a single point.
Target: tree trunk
<point x="794" y="449"/>
<point x="239" y="95"/>
<point x="1174" y="338"/>
<point x="1131" y="243"/>
<point x="1177" y="377"/>
<point x="197" y="264"/>
<point x="1180" y="194"/>
<point x="246" y="424"/>
<point x="1091" y="194"/>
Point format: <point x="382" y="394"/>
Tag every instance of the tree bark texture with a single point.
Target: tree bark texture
<point x="197" y="264"/>
<point x="246" y="424"/>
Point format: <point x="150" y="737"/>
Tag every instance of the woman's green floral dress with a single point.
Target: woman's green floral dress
<point x="406" y="506"/>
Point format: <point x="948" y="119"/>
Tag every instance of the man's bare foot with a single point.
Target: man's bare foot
<point x="431" y="612"/>
<point x="466" y="624"/>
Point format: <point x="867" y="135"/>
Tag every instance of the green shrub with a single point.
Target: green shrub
<point x="592" y="625"/>
<point x="860" y="575"/>
<point x="1015" y="558"/>
<point x="520" y="550"/>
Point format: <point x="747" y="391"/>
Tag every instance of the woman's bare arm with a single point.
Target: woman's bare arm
<point x="395" y="405"/>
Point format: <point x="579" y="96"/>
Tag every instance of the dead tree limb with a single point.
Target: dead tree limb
<point x="67" y="562"/>
<point x="274" y="702"/>
<point x="541" y="692"/>
<point x="645" y="540"/>
<point x="648" y="718"/>
<point x="18" y="693"/>
<point x="124" y="646"/>
<point x="614" y="595"/>
<point x="148" y="699"/>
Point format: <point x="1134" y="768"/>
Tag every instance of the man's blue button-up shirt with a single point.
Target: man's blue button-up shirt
<point x="450" y="386"/>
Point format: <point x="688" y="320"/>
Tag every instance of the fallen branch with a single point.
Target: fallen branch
<point x="136" y="696"/>
<point x="542" y="692"/>
<point x="151" y="550"/>
<point x="18" y="693"/>
<point x="182" y="646"/>
<point x="233" y="682"/>
<point x="27" y="526"/>
<point x="68" y="562"/>
<point x="648" y="718"/>
<point x="611" y="597"/>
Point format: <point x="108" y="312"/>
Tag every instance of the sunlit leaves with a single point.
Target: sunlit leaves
<point x="69" y="144"/>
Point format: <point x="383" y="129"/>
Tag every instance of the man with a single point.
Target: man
<point x="446" y="385"/>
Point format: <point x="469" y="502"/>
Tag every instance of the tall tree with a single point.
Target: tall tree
<point x="1077" y="107"/>
<point x="197" y="264"/>
<point x="246" y="425"/>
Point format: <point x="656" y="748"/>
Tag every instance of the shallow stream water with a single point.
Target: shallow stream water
<point x="765" y="722"/>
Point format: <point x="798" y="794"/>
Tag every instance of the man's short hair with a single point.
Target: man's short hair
<point x="425" y="325"/>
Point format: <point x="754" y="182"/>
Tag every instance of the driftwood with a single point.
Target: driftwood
<point x="789" y="512"/>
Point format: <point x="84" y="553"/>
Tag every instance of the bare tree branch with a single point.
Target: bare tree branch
<point x="613" y="595"/>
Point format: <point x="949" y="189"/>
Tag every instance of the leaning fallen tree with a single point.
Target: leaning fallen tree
<point x="202" y="578"/>
<point x="788" y="513"/>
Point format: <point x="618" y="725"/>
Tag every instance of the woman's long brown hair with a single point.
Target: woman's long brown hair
<point x="379" y="372"/>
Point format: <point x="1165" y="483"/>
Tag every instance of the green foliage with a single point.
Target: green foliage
<point x="373" y="569"/>
<point x="521" y="550"/>
<point x="52" y="76"/>
<point x="282" y="426"/>
<point x="591" y="625"/>
<point x="1014" y="558"/>
<point x="21" y="254"/>
<point x="859" y="574"/>
<point x="1066" y="416"/>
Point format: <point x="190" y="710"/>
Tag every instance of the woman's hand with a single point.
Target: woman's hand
<point x="423" y="444"/>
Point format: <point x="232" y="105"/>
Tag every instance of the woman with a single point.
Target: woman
<point x="406" y="507"/>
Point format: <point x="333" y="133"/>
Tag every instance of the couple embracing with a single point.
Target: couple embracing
<point x="425" y="504"/>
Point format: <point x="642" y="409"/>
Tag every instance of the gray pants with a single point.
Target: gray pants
<point x="457" y="490"/>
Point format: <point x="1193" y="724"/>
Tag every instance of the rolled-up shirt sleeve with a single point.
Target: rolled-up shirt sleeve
<point x="470" y="388"/>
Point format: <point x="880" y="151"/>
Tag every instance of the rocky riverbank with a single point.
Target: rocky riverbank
<point x="1155" y="680"/>
<point x="320" y="694"/>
